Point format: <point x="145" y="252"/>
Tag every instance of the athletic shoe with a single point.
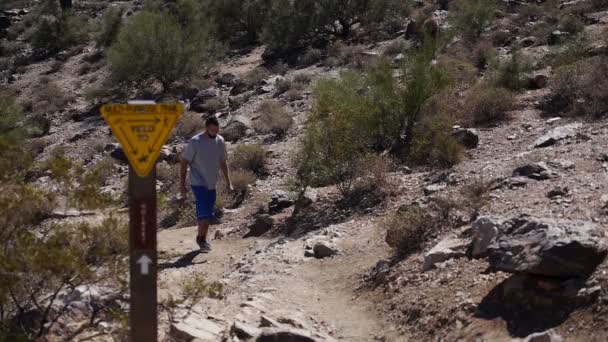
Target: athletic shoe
<point x="205" y="247"/>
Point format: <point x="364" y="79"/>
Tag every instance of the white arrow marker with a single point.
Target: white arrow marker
<point x="144" y="262"/>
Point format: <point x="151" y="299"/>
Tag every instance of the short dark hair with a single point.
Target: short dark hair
<point x="212" y="120"/>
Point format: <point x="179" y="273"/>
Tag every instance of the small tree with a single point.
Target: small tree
<point x="163" y="44"/>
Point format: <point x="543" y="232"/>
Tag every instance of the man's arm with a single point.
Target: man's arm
<point x="226" y="173"/>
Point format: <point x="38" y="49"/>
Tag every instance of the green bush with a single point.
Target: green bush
<point x="55" y="33"/>
<point x="511" y="74"/>
<point x="471" y="18"/>
<point x="163" y="45"/>
<point x="411" y="227"/>
<point x="363" y="113"/>
<point x="110" y="27"/>
<point x="486" y="104"/>
<point x="14" y="157"/>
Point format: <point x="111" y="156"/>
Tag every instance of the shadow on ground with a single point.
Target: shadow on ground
<point x="530" y="304"/>
<point x="183" y="261"/>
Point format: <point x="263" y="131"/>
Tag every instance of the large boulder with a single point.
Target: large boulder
<point x="547" y="247"/>
<point x="237" y="129"/>
<point x="279" y="201"/>
<point x="557" y="134"/>
<point x="197" y="104"/>
<point x="467" y="137"/>
<point x="195" y="326"/>
<point x="448" y="248"/>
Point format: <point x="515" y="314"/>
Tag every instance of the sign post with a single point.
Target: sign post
<point x="142" y="129"/>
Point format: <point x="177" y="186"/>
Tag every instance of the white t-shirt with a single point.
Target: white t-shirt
<point x="205" y="155"/>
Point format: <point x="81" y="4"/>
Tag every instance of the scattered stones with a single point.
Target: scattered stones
<point x="557" y="134"/>
<point x="467" y="137"/>
<point x="561" y="164"/>
<point x="537" y="171"/>
<point x="323" y="249"/>
<point x="448" y="248"/>
<point x="262" y="224"/>
<point x="279" y="201"/>
<point x="547" y="247"/>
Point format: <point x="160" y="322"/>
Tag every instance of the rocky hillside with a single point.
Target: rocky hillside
<point x="436" y="173"/>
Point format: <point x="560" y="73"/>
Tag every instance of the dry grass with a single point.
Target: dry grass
<point x="580" y="89"/>
<point x="410" y="228"/>
<point x="257" y="75"/>
<point x="310" y="57"/>
<point x="250" y="158"/>
<point x="189" y="124"/>
<point x="487" y="105"/>
<point x="273" y="119"/>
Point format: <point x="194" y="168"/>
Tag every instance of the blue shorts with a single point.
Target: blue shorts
<point x="205" y="202"/>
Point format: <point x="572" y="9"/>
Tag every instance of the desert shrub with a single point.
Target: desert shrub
<point x="240" y="19"/>
<point x="163" y="45"/>
<point x="460" y="70"/>
<point x="434" y="144"/>
<point x="250" y="158"/>
<point x="213" y="105"/>
<point x="273" y="119"/>
<point x="257" y="75"/>
<point x="14" y="157"/>
<point x="311" y="56"/>
<point x="511" y="74"/>
<point x="110" y="27"/>
<point x="394" y="48"/>
<point x="190" y="123"/>
<point x="362" y="113"/>
<point x="302" y="78"/>
<point x="281" y="86"/>
<point x="476" y="195"/>
<point x="241" y="180"/>
<point x="10" y="48"/>
<point x="280" y="68"/>
<point x="471" y="18"/>
<point x="580" y="88"/>
<point x="293" y="95"/>
<point x="484" y="54"/>
<point x="192" y="290"/>
<point x="88" y="195"/>
<point x="573" y="51"/>
<point x="486" y="105"/>
<point x="501" y="38"/>
<point x="54" y="33"/>
<point x="51" y="98"/>
<point x="411" y="227"/>
<point x="572" y="24"/>
<point x="376" y="174"/>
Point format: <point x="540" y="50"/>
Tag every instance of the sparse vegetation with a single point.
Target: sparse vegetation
<point x="273" y="119"/>
<point x="510" y="74"/>
<point x="471" y="18"/>
<point x="580" y="89"/>
<point x="487" y="105"/>
<point x="110" y="27"/>
<point x="158" y="44"/>
<point x="250" y="158"/>
<point x="56" y="30"/>
<point x="190" y="123"/>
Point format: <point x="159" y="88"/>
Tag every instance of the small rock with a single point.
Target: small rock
<point x="545" y="336"/>
<point x="266" y="321"/>
<point x="226" y="79"/>
<point x="527" y="41"/>
<point x="237" y="129"/>
<point x="195" y="327"/>
<point x="309" y="253"/>
<point x="512" y="137"/>
<point x="262" y="224"/>
<point x="558" y="192"/>
<point x="537" y="171"/>
<point x="323" y="249"/>
<point x="552" y="120"/>
<point x="538" y="81"/>
<point x="433" y="188"/>
<point x="558" y="37"/>
<point x="467" y="137"/>
<point x="448" y="248"/>
<point x="485" y="230"/>
<point x="604" y="201"/>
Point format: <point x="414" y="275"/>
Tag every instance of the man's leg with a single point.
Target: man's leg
<point x="203" y="229"/>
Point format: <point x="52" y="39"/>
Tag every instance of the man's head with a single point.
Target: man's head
<point x="212" y="126"/>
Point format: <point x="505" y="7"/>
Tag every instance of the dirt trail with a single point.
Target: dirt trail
<point x="271" y="277"/>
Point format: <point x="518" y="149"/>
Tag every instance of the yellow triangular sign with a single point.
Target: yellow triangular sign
<point x="142" y="130"/>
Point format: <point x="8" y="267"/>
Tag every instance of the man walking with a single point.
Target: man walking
<point x="205" y="154"/>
